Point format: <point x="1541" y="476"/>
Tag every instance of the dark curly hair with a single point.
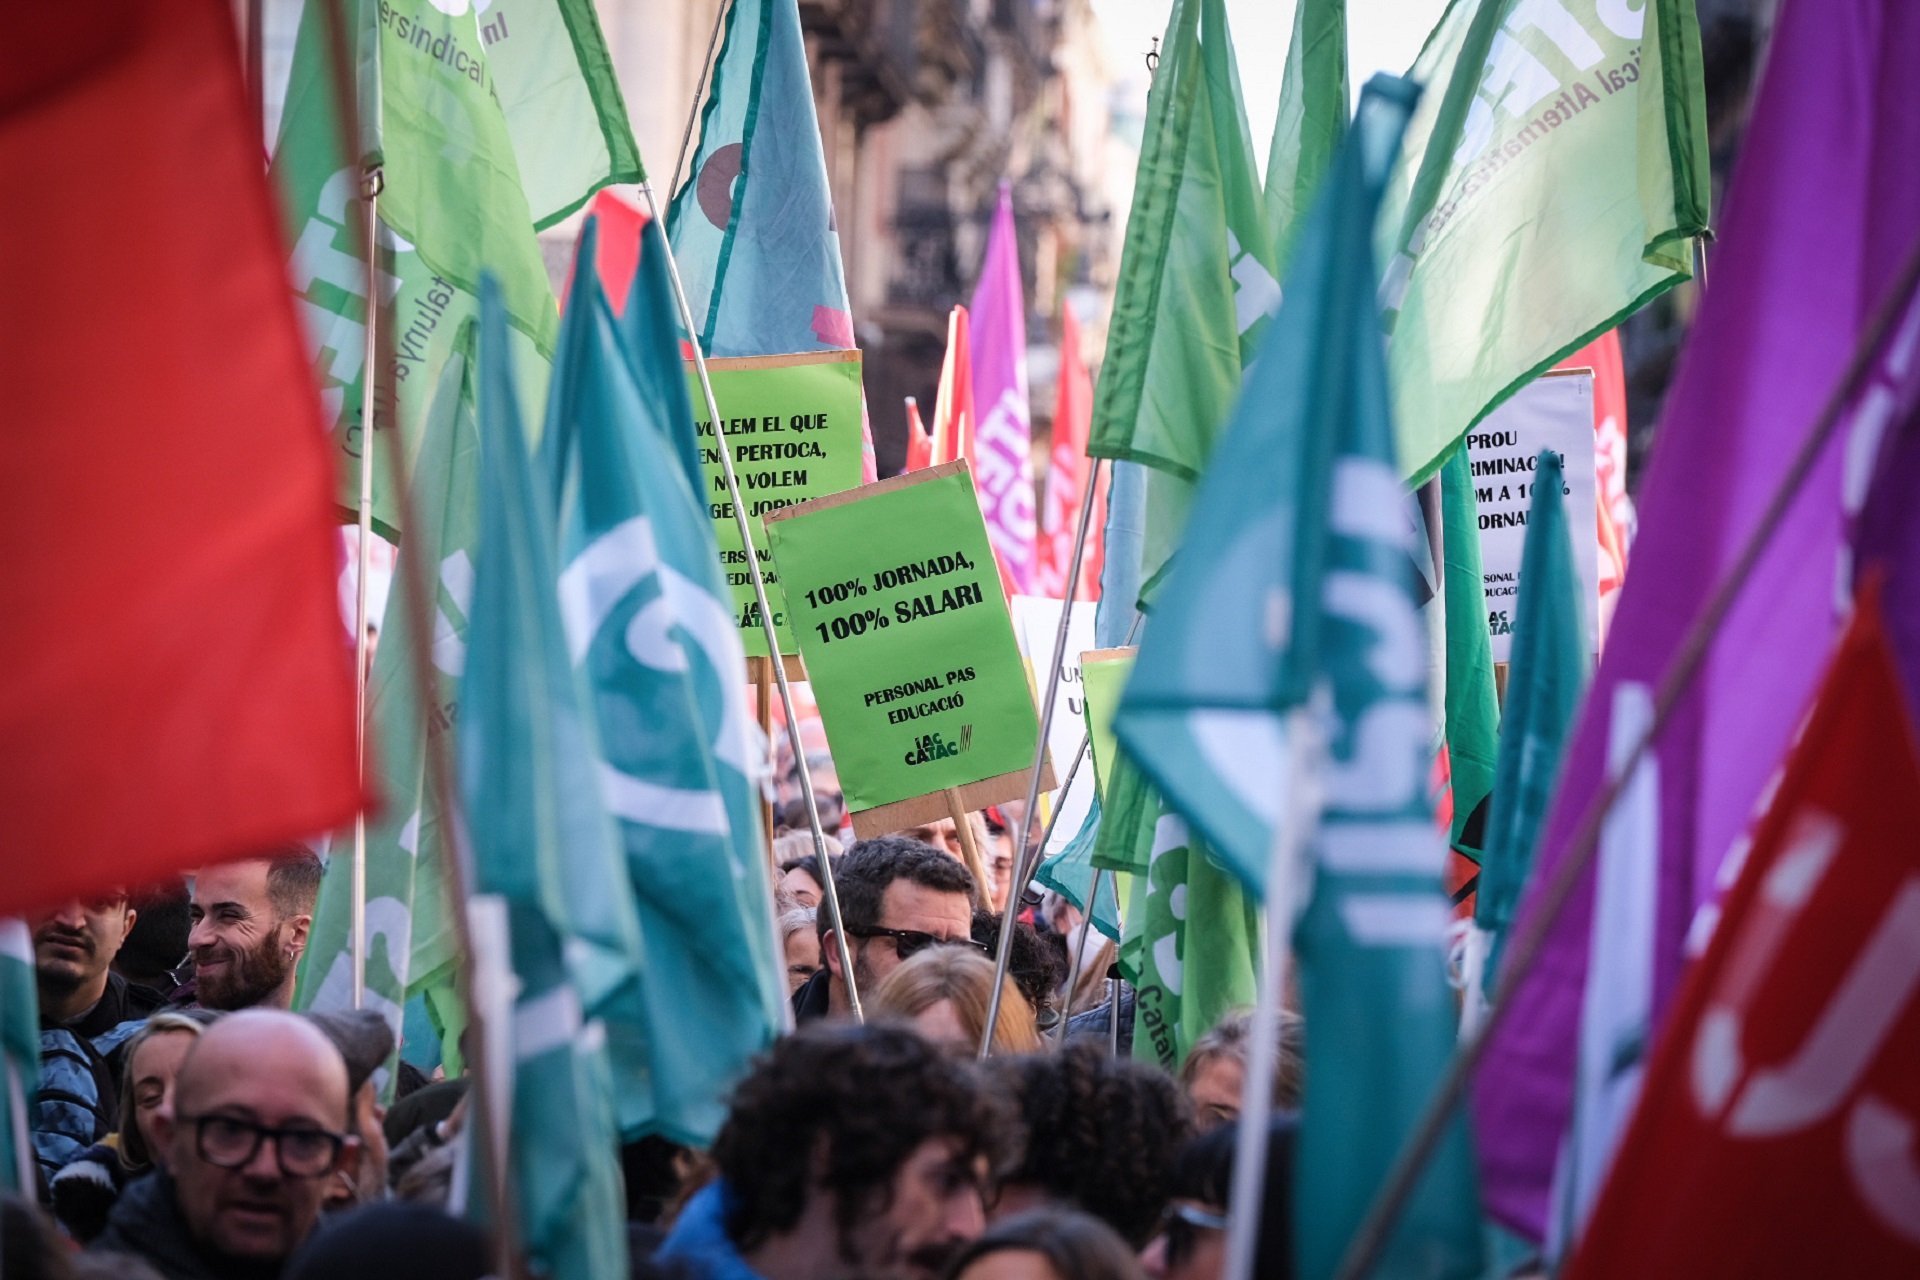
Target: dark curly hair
<point x="1074" y="1244"/>
<point x="863" y="1098"/>
<point x="1102" y="1133"/>
<point x="861" y="876"/>
<point x="1036" y="966"/>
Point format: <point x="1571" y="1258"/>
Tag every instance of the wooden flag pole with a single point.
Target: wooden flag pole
<point x="509" y="1259"/>
<point x="1530" y="938"/>
<point x="763" y="712"/>
<point x="370" y="185"/>
<point x="970" y="853"/>
<point x="831" y="894"/>
<point x="1026" y="861"/>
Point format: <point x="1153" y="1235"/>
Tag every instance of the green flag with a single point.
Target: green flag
<point x="1198" y="256"/>
<point x="409" y="937"/>
<point x="650" y="628"/>
<point x="1295" y="594"/>
<point x="1311" y="119"/>
<point x="1551" y="182"/>
<point x="436" y="90"/>
<point x="543" y="845"/>
<point x="19" y="1056"/>
<point x="1546" y="678"/>
<point x="1472" y="703"/>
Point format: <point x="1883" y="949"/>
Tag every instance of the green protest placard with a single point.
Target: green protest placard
<point x="895" y="601"/>
<point x="1103" y="677"/>
<point x="794" y="424"/>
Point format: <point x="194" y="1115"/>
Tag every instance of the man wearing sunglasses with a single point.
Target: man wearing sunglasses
<point x="898" y="897"/>
<point x="258" y="1128"/>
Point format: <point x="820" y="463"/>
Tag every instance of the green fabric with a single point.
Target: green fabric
<point x="652" y="633"/>
<point x="19" y="1055"/>
<point x="556" y="85"/>
<point x="542" y="843"/>
<point x="1545" y="681"/>
<point x="1311" y="119"/>
<point x="410" y="939"/>
<point x="1472" y="702"/>
<point x="1070" y="873"/>
<point x="1197" y="255"/>
<point x="1513" y="233"/>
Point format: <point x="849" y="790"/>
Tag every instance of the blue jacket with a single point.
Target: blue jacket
<point x="699" y="1240"/>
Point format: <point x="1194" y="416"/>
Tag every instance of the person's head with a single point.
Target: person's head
<point x="898" y="897"/>
<point x="1037" y="965"/>
<point x="417" y="1241"/>
<point x="800" y="880"/>
<point x="1047" y="1244"/>
<point x="1192" y="1241"/>
<point x="1216" y="1067"/>
<point x="943" y="835"/>
<point x="861" y="1146"/>
<point x="250" y="922"/>
<point x="944" y="992"/>
<point x="1001" y="824"/>
<point x="1101" y="1135"/>
<point x="800" y="941"/>
<point x="156" y="945"/>
<point x="153" y="1059"/>
<point x="365" y="1042"/>
<point x="73" y="945"/>
<point x="259" y="1125"/>
<point x="31" y="1248"/>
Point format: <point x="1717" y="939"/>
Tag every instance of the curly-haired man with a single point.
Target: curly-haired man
<point x="847" y="1148"/>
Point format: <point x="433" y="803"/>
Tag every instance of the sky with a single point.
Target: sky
<point x="1382" y="35"/>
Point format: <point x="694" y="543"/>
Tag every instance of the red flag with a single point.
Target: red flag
<point x="1777" y="1132"/>
<point x="622" y="218"/>
<point x="179" y="681"/>
<point x="953" y="405"/>
<point x="919" y="443"/>
<point x="1613" y="509"/>
<point x="1067" y="464"/>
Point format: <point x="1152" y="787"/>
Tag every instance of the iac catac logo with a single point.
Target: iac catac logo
<point x="930" y="747"/>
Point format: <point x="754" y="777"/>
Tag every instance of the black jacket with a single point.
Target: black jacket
<point x="146" y="1224"/>
<point x="810" y="1002"/>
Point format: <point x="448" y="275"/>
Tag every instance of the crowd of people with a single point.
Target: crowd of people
<point x="189" y="1125"/>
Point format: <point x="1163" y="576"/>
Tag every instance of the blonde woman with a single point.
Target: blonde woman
<point x="944" y="993"/>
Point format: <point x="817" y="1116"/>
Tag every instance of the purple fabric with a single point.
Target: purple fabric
<point x="1003" y="442"/>
<point x="1824" y="204"/>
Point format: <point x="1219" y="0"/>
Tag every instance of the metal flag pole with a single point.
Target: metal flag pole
<point x="725" y="449"/>
<point x="1530" y="941"/>
<point x="1025" y="862"/>
<point x="505" y="1234"/>
<point x="370" y="186"/>
<point x="700" y="91"/>
<point x="1285" y="874"/>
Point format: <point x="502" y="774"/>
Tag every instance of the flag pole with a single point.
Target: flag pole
<point x="779" y="668"/>
<point x="370" y="185"/>
<point x="505" y="1233"/>
<point x="1285" y="873"/>
<point x="1529" y="941"/>
<point x="699" y="92"/>
<point x="1026" y="862"/>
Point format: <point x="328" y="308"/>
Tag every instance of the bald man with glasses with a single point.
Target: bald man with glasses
<point x="258" y="1127"/>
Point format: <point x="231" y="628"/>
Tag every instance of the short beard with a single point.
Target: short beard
<point x="251" y="978"/>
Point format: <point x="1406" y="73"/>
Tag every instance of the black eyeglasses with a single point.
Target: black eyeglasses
<point x="911" y="942"/>
<point x="232" y="1143"/>
<point x="1182" y="1223"/>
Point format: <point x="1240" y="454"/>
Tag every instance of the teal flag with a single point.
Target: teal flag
<point x="1070" y="873"/>
<point x="1545" y="680"/>
<point x="752" y="228"/>
<point x="19" y="1056"/>
<point x="542" y="844"/>
<point x="1551" y="182"/>
<point x="1304" y="515"/>
<point x="410" y="938"/>
<point x="650" y="629"/>
<point x="1472" y="702"/>
<point x="1311" y="118"/>
<point x="1196" y="278"/>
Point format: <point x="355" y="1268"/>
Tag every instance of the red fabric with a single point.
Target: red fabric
<point x="178" y="678"/>
<point x="1776" y="1136"/>
<point x="953" y="406"/>
<point x="919" y="443"/>
<point x="622" y="218"/>
<point x="1613" y="509"/>
<point x="1067" y="468"/>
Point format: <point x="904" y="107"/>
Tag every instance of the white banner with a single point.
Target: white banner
<point x="1036" y="620"/>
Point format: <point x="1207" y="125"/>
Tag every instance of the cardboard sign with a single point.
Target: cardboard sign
<point x="794" y="424"/>
<point x="1103" y="677"/>
<point x="893" y="596"/>
<point x="1551" y="412"/>
<point x="1036" y="621"/>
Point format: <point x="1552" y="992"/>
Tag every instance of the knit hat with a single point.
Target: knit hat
<point x="363" y="1038"/>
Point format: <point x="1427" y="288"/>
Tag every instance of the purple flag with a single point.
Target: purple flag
<point x="1003" y="442"/>
<point x="1824" y="204"/>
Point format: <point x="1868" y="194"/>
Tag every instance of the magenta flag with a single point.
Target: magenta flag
<point x="1003" y="441"/>
<point x="1824" y="204"/>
